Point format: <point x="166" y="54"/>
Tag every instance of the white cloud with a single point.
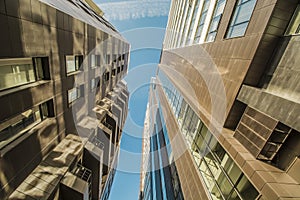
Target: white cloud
<point x="124" y="10"/>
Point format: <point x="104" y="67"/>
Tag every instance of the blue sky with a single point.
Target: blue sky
<point x="142" y="23"/>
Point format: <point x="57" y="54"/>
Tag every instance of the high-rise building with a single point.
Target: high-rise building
<point x="63" y="100"/>
<point x="159" y="176"/>
<point x="224" y="106"/>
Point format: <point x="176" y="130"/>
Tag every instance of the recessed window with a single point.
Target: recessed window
<point x="107" y="59"/>
<point x="95" y="82"/>
<point x="240" y="18"/>
<point x="115" y="58"/>
<point x="75" y="93"/>
<point x="192" y="22"/>
<point x="113" y="72"/>
<point x="47" y="109"/>
<point x="16" y="72"/>
<point x="94" y="61"/>
<point x="41" y="65"/>
<point x="185" y="27"/>
<point x="20" y="124"/>
<point x="106" y="76"/>
<point x="201" y="21"/>
<point x="282" y="147"/>
<point x="214" y="24"/>
<point x="294" y="26"/>
<point x="73" y="63"/>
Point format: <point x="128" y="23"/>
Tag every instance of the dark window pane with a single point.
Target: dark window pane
<point x="224" y="184"/>
<point x="218" y="151"/>
<point x="246" y="189"/>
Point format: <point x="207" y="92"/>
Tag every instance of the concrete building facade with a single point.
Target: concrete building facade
<point x="228" y="89"/>
<point x="63" y="101"/>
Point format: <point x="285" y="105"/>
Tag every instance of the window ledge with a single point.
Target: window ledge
<point x="74" y="73"/>
<point x="235" y="37"/>
<point x="71" y="104"/>
<point x="20" y="137"/>
<point x="23" y="87"/>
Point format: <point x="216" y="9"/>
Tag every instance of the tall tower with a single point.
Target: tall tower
<point x="227" y="95"/>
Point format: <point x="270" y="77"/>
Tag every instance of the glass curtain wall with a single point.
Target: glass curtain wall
<point x="222" y="177"/>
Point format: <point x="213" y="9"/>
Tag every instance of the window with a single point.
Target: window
<point x="107" y="59"/>
<point x="246" y="189"/>
<point x="41" y="65"/>
<point x="113" y="72"/>
<point x="214" y="24"/>
<point x="222" y="177"/>
<point x="106" y="76"/>
<point x="118" y="69"/>
<point x="14" y="127"/>
<point x="180" y="24"/>
<point x="241" y="17"/>
<point x="294" y="26"/>
<point x="282" y="147"/>
<point x="192" y="22"/>
<point x="17" y="72"/>
<point x="75" y="93"/>
<point x="201" y="21"/>
<point x="95" y="61"/>
<point x="73" y="63"/>
<point x="185" y="28"/>
<point x="182" y="112"/>
<point x="115" y="58"/>
<point x="47" y="109"/>
<point x="95" y="82"/>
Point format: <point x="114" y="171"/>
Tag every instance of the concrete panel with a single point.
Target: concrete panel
<point x="5" y="37"/>
<point x="16" y="37"/>
<point x="12" y="8"/>
<point x="36" y="12"/>
<point x="25" y="10"/>
<point x="2" y="7"/>
<point x="37" y="30"/>
<point x="294" y="170"/>
<point x="48" y="15"/>
<point x="60" y="20"/>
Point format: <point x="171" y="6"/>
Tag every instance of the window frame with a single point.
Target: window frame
<point x="214" y="17"/>
<point x="33" y="71"/>
<point x="234" y="16"/>
<point x="192" y="23"/>
<point x="77" y="67"/>
<point x="95" y="61"/>
<point x="94" y="85"/>
<point x="203" y="16"/>
<point x="38" y="117"/>
<point x="79" y="93"/>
